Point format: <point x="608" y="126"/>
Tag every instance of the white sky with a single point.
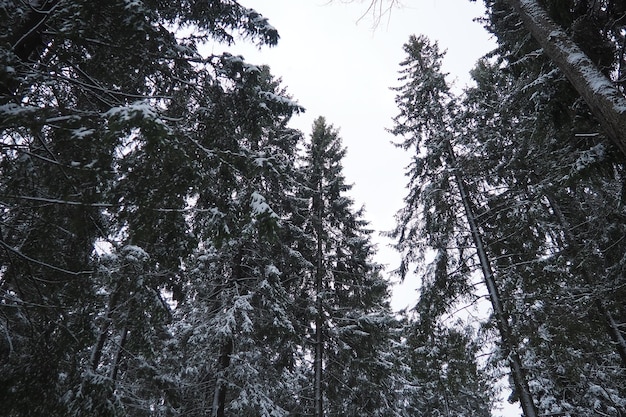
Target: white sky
<point x="337" y="66"/>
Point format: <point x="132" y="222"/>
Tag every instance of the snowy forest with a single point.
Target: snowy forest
<point x="171" y="246"/>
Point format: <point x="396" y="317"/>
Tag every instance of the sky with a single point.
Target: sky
<point x="336" y="64"/>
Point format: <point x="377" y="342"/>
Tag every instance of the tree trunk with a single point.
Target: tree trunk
<point x="219" y="400"/>
<point x="509" y="346"/>
<point x="605" y="101"/>
<point x="96" y="353"/>
<point x="226" y="350"/>
<point x="118" y="354"/>
<point x="319" y="319"/>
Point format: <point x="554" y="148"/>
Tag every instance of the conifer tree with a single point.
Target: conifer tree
<point x="438" y="185"/>
<point x="237" y="330"/>
<point x="352" y="322"/>
<point x="99" y="107"/>
<point x="537" y="169"/>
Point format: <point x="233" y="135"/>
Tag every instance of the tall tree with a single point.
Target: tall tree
<point x="237" y="329"/>
<point x="566" y="179"/>
<point x="538" y="179"/>
<point x="437" y="185"/>
<point x="353" y="321"/>
<point x="604" y="98"/>
<point x="98" y="108"/>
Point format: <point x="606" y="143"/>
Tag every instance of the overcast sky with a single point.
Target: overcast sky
<point x="337" y="65"/>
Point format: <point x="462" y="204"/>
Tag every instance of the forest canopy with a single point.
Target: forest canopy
<point x="170" y="245"/>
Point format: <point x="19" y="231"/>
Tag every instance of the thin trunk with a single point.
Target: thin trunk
<point x="605" y="101"/>
<point x="118" y="354"/>
<point x="509" y="345"/>
<point x="226" y="350"/>
<point x="319" y="319"/>
<point x="219" y="399"/>
<point x="96" y="353"/>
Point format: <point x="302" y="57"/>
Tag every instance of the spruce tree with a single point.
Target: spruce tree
<point x="237" y="328"/>
<point x="352" y="322"/>
<point x="99" y="108"/>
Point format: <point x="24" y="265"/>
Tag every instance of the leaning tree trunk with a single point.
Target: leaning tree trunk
<point x="509" y="346"/>
<point x="605" y="101"/>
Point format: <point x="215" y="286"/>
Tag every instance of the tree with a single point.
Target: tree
<point x="353" y="322"/>
<point x="99" y="106"/>
<point x="605" y="100"/>
<point x="540" y="176"/>
<point x="546" y="192"/>
<point x="238" y="329"/>
<point x="427" y="121"/>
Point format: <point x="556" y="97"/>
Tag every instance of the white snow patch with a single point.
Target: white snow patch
<point x="259" y="206"/>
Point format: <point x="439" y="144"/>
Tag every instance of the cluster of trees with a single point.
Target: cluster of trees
<point x="520" y="181"/>
<point x="169" y="246"/>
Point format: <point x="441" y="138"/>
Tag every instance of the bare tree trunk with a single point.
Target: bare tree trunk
<point x="606" y="102"/>
<point x="118" y="354"/>
<point x="509" y="345"/>
<point x="96" y="353"/>
<point x="219" y="399"/>
<point x="226" y="350"/>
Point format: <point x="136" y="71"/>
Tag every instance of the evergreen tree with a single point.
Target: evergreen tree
<point x="563" y="182"/>
<point x="525" y="122"/>
<point x="439" y="190"/>
<point x="352" y="323"/>
<point x="236" y="329"/>
<point x="101" y="164"/>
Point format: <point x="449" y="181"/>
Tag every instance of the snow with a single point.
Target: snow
<point x="272" y="270"/>
<point x="258" y="20"/>
<point x="238" y="60"/>
<point x="589" y="157"/>
<point x="275" y="98"/>
<point x="12" y="109"/>
<point x="260" y="207"/>
<point x="82" y="132"/>
<point x="141" y="109"/>
<point x="134" y="254"/>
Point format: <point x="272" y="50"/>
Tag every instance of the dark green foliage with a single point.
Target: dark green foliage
<point x="353" y="310"/>
<point x="111" y="127"/>
<point x="546" y="186"/>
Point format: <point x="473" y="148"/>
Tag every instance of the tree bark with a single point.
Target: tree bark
<point x="118" y="354"/>
<point x="605" y="101"/>
<point x="219" y="400"/>
<point x="226" y="349"/>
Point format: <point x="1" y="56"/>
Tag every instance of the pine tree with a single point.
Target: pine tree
<point x="236" y="328"/>
<point x="440" y="188"/>
<point x="537" y="169"/>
